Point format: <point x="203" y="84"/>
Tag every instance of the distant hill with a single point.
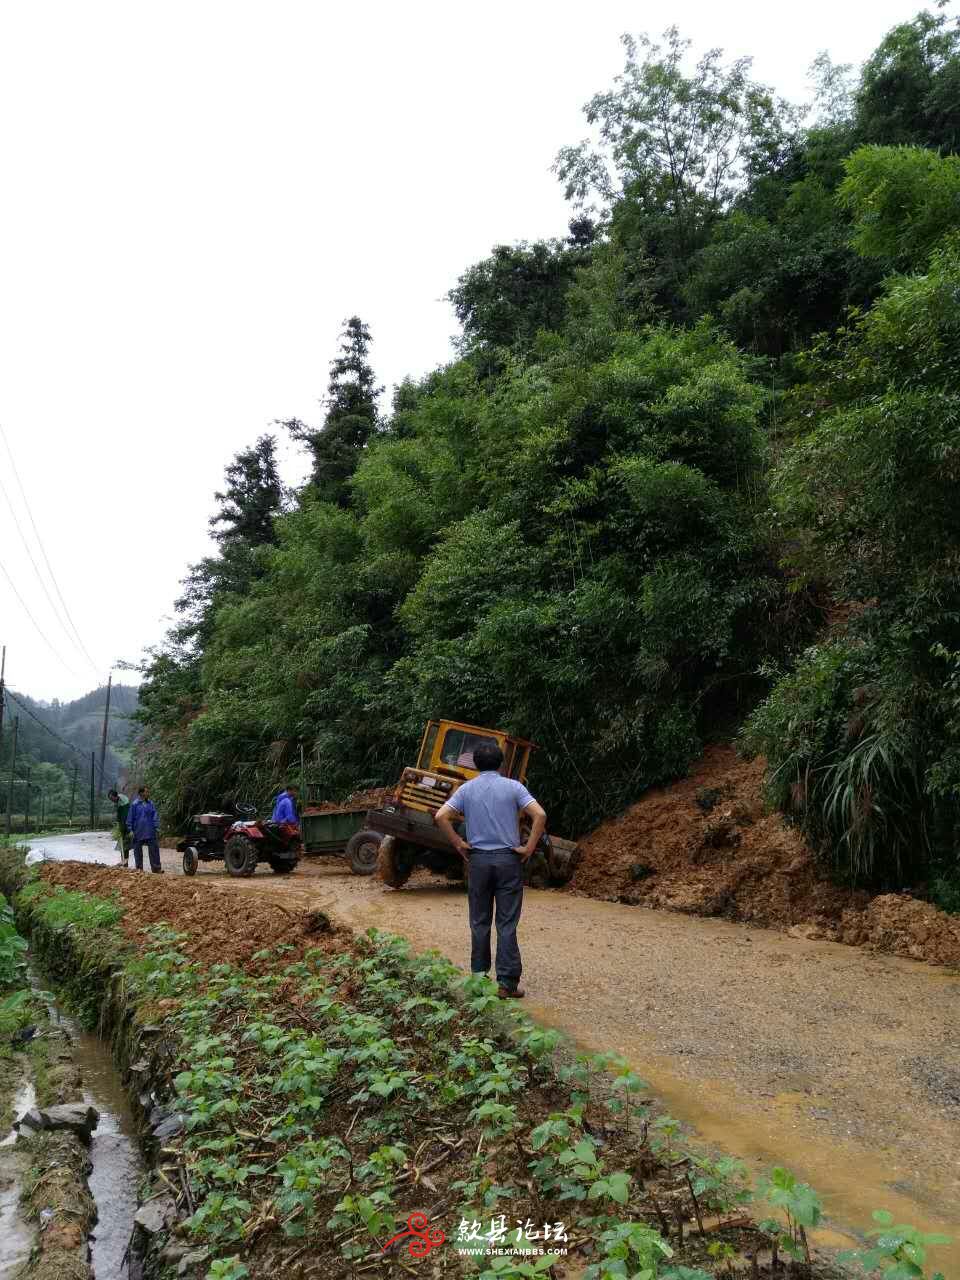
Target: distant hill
<point x="75" y="730"/>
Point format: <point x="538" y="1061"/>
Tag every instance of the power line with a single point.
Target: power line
<point x="40" y="632"/>
<point x="46" y="590"/>
<point x="63" y="742"/>
<point x="43" y="552"/>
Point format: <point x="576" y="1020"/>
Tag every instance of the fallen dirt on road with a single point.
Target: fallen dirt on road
<point x="706" y="846"/>
<point x="215" y="932"/>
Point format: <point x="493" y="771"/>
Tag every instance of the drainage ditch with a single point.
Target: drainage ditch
<point x="114" y="1168"/>
<point x="114" y="1154"/>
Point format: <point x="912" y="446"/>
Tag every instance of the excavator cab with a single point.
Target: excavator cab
<point x="448" y="746"/>
<point x="445" y="761"/>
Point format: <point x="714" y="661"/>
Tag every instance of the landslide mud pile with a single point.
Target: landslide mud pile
<point x="356" y="803"/>
<point x="705" y="846"/>
<point x="220" y="926"/>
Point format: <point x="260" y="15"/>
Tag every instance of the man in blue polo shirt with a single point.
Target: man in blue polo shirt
<point x="490" y="806"/>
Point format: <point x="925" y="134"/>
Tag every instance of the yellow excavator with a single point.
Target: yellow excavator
<point x="401" y="834"/>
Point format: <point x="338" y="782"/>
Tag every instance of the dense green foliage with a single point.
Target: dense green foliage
<point x="722" y="409"/>
<point x="571" y="555"/>
<point x="863" y="735"/>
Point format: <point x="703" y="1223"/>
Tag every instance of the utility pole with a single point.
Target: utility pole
<point x="73" y="793"/>
<point x="103" y="741"/>
<point x="93" y="769"/>
<point x="43" y="808"/>
<point x="13" y="770"/>
<point x="26" y="807"/>
<point x="3" y="671"/>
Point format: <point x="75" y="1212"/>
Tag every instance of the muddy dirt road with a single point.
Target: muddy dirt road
<point x="842" y="1064"/>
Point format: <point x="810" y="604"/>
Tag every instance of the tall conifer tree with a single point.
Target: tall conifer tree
<point x="352" y="416"/>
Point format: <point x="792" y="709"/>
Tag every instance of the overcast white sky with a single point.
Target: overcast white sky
<point x="195" y="193"/>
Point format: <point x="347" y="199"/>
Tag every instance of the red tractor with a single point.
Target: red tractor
<point x="241" y="843"/>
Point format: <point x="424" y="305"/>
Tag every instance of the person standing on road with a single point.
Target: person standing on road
<point x="490" y="806"/>
<point x="285" y="808"/>
<point x="144" y="827"/>
<point x="122" y="804"/>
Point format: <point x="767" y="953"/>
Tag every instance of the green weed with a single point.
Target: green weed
<point x="66" y="907"/>
<point x="900" y="1251"/>
<point x="801" y="1207"/>
<point x="12" y="948"/>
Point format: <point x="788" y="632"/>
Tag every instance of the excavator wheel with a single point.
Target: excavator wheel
<point x="240" y="855"/>
<point x="563" y="857"/>
<point x="392" y="868"/>
<point x="534" y="870"/>
<point x="361" y="852"/>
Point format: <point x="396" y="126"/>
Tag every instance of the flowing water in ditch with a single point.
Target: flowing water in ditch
<point x="115" y="1157"/>
<point x="114" y="1154"/>
<point x="16" y="1235"/>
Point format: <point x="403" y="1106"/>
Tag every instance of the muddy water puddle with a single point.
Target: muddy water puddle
<point x="16" y="1234"/>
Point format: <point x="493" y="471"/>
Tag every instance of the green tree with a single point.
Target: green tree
<point x="506" y="299"/>
<point x="351" y="420"/>
<point x="903" y="200"/>
<point x="171" y="691"/>
<point x="250" y="501"/>
<point x="909" y="91"/>
<point x="674" y="149"/>
<point x="596" y="602"/>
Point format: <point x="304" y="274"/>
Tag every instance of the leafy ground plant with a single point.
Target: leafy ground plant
<point x="12" y="948"/>
<point x="899" y="1251"/>
<point x="801" y="1208"/>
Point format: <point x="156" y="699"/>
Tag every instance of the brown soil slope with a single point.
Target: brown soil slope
<point x="705" y="846"/>
<point x="217" y="927"/>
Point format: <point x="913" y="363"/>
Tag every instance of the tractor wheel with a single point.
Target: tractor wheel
<point x="361" y="852"/>
<point x="190" y="862"/>
<point x="392" y="868"/>
<point x="240" y="855"/>
<point x="281" y="868"/>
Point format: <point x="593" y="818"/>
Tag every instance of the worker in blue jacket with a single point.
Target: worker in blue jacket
<point x="144" y="827"/>
<point x="285" y="807"/>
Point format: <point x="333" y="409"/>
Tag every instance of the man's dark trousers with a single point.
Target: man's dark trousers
<point x="153" y="848"/>
<point x="496" y="877"/>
